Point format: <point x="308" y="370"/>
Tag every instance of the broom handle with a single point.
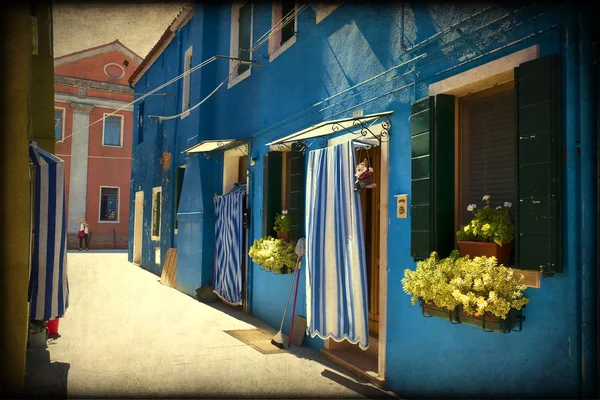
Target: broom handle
<point x="287" y="301"/>
<point x="294" y="306"/>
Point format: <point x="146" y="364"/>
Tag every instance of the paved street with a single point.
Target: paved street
<point x="126" y="335"/>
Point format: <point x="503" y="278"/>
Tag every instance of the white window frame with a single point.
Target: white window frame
<point x="276" y="49"/>
<point x="324" y="9"/>
<point x="64" y="114"/>
<point x="118" y="205"/>
<point x="234" y="78"/>
<point x="186" y="94"/>
<point x="156" y="191"/>
<point x="120" y="130"/>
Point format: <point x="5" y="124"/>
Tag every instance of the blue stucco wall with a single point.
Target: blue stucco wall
<point x="425" y="357"/>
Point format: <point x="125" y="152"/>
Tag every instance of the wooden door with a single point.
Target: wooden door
<point x="370" y="201"/>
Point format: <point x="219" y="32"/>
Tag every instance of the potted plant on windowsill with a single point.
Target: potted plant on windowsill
<point x="275" y="255"/>
<point x="489" y="233"/>
<point x="282" y="226"/>
<point x="474" y="291"/>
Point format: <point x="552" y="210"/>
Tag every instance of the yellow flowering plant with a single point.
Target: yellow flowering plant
<point x="489" y="224"/>
<point x="477" y="285"/>
<point x="274" y="255"/>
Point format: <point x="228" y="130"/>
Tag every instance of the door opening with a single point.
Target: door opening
<point x="370" y="199"/>
<point x="137" y="227"/>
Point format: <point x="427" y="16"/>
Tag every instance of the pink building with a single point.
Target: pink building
<point x="93" y="127"/>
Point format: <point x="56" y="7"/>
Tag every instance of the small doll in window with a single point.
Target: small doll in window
<point x="364" y="177"/>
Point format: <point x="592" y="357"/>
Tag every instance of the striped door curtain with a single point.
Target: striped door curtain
<point x="229" y="243"/>
<point x="336" y="284"/>
<point x="48" y="284"/>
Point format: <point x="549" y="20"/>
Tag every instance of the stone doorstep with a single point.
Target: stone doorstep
<point x="349" y="361"/>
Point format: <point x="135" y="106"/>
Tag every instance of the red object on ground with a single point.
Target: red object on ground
<point x="52" y="327"/>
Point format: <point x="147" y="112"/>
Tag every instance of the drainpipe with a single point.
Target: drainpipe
<point x="571" y="205"/>
<point x="588" y="211"/>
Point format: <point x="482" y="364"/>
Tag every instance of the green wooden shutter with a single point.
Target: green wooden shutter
<point x="443" y="177"/>
<point x="538" y="225"/>
<point x="432" y="180"/>
<point x="421" y="209"/>
<point x="271" y="191"/>
<point x="296" y="211"/>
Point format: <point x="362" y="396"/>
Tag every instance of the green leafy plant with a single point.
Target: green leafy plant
<point x="274" y="255"/>
<point x="477" y="285"/>
<point x="488" y="224"/>
<point x="282" y="222"/>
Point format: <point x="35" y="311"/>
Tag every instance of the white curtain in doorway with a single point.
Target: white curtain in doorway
<point x="336" y="284"/>
<point x="229" y="242"/>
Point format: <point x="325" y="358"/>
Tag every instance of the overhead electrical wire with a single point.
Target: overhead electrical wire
<point x="274" y="127"/>
<point x="290" y="16"/>
<point x="404" y="86"/>
<point x="268" y="34"/>
<point x="202" y="64"/>
<point x="163" y="118"/>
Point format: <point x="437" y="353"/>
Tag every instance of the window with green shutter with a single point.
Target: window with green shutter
<point x="244" y="32"/>
<point x="271" y="191"/>
<point x="509" y="148"/>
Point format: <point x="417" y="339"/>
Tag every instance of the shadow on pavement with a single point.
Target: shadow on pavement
<point x="331" y="370"/>
<point x="366" y="390"/>
<point x="45" y="379"/>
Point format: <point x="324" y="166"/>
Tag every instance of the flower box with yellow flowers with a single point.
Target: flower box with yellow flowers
<point x="473" y="291"/>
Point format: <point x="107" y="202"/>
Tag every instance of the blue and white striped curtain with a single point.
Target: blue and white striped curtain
<point x="336" y="284"/>
<point x="229" y="242"/>
<point x="48" y="284"/>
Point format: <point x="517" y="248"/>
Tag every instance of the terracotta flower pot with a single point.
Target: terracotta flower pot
<point x="285" y="236"/>
<point x="489" y="249"/>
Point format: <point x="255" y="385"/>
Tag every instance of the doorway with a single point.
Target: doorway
<point x="137" y="227"/>
<point x="370" y="364"/>
<point x="242" y="177"/>
<point x="371" y="207"/>
<point x="235" y="166"/>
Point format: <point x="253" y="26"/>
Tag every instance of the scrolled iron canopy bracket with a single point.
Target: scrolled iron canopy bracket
<point x="360" y="128"/>
<point x="299" y="145"/>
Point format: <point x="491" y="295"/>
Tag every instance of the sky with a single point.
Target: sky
<point x="138" y="26"/>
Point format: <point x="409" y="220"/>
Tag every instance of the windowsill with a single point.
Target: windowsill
<point x="532" y="278"/>
<point x="185" y="114"/>
<point x="109" y="222"/>
<point x="239" y="78"/>
<point x="282" y="48"/>
<point x="156" y="238"/>
<point x="113" y="146"/>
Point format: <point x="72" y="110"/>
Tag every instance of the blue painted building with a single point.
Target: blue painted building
<point x="451" y="92"/>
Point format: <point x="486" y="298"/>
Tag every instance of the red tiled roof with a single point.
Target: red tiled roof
<point x="158" y="47"/>
<point x="97" y="47"/>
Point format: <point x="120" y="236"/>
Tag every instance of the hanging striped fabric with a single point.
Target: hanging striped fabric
<point x="48" y="284"/>
<point x="229" y="243"/>
<point x="336" y="284"/>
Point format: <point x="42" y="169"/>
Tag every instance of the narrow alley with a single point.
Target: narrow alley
<point x="126" y="335"/>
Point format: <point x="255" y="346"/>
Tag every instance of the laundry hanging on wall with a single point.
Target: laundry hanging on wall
<point x="229" y="243"/>
<point x="48" y="283"/>
<point x="336" y="284"/>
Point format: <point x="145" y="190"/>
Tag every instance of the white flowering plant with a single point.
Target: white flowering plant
<point x="488" y="224"/>
<point x="274" y="255"/>
<point x="477" y="285"/>
<point x="282" y="222"/>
